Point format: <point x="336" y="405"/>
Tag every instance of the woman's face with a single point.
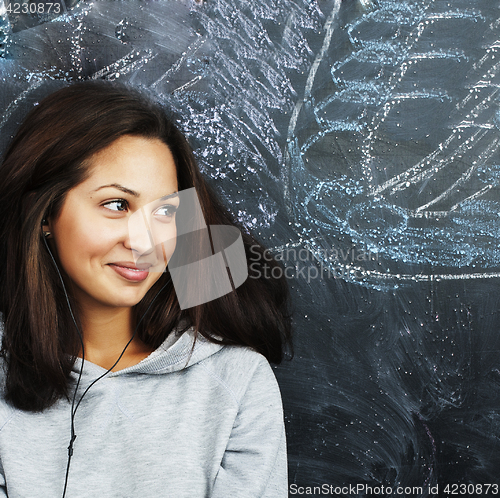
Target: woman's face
<point x="91" y="232"/>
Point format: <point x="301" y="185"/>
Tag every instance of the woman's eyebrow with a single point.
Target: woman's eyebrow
<point x="173" y="194"/>
<point x="119" y="187"/>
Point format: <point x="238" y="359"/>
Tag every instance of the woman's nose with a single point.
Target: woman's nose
<point x="140" y="237"/>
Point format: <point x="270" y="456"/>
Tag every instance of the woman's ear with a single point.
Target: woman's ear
<point x="46" y="228"/>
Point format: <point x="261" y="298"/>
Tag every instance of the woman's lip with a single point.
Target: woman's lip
<point x="129" y="272"/>
<point x="133" y="266"/>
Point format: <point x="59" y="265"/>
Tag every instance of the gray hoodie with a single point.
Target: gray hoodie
<point x="182" y="423"/>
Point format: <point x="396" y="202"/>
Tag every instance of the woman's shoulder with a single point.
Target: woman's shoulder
<point x="241" y="358"/>
<point x="240" y="369"/>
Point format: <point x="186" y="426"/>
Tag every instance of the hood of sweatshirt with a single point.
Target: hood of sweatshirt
<point x="180" y="350"/>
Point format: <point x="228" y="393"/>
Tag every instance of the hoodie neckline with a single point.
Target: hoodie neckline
<point x="174" y="354"/>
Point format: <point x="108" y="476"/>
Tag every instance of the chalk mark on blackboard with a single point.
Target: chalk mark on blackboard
<point x="368" y="109"/>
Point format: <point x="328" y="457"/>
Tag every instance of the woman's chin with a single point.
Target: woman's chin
<point x="113" y="299"/>
<point x="128" y="301"/>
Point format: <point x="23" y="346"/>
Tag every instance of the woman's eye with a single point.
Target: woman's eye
<point x="117" y="205"/>
<point x="167" y="211"/>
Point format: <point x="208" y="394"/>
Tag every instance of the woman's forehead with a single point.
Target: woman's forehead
<point x="138" y="166"/>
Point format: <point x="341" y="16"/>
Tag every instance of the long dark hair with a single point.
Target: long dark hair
<point x="48" y="157"/>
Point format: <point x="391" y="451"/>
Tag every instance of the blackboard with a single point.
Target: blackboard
<point x="359" y="140"/>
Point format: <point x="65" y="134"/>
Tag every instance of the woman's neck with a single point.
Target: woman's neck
<point x="106" y="332"/>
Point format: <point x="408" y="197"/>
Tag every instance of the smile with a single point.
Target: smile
<point x="130" y="272"/>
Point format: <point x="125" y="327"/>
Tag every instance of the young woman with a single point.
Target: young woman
<point x="111" y="388"/>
